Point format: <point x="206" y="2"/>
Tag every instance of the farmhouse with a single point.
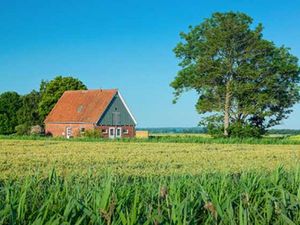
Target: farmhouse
<point x="79" y="111"/>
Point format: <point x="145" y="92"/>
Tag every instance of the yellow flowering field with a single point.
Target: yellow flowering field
<point x="23" y="157"/>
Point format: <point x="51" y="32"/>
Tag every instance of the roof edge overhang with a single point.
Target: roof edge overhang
<point x="123" y="101"/>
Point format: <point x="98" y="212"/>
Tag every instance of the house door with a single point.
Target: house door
<point x="111" y="132"/>
<point x="118" y="132"/>
<point x="68" y="132"/>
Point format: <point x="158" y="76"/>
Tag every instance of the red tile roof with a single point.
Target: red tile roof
<point x="81" y="106"/>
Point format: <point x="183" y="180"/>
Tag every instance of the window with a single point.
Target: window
<point x="111" y="132"/>
<point x="104" y="131"/>
<point x="125" y="131"/>
<point x="82" y="129"/>
<point x="118" y="132"/>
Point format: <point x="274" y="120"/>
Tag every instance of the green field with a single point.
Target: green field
<point x="276" y="139"/>
<point x="52" y="181"/>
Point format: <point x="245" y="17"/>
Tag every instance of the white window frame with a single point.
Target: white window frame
<point x="114" y="132"/>
<point x="69" y="132"/>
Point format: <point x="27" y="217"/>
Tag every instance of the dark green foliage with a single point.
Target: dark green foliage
<point x="5" y="125"/>
<point x="10" y="103"/>
<point x="284" y="131"/>
<point x="238" y="130"/>
<point x="22" y="129"/>
<point x="244" y="130"/>
<point x="28" y="114"/>
<point x="214" y="125"/>
<point x="242" y="77"/>
<point x="216" y="198"/>
<point x="19" y="113"/>
<point x="51" y="91"/>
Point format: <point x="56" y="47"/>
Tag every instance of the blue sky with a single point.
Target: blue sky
<point x="123" y="44"/>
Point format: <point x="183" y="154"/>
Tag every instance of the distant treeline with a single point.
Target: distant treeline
<point x="191" y="130"/>
<point x="284" y="131"/>
<point x="202" y="130"/>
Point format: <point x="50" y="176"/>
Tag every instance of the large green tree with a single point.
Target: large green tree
<point x="51" y="91"/>
<point x="242" y="79"/>
<point x="10" y="103"/>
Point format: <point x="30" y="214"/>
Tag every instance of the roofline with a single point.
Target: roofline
<point x="70" y="123"/>
<point x="123" y="101"/>
<point x="117" y="92"/>
<point x="113" y="89"/>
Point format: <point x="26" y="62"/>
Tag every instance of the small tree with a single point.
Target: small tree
<point x="51" y="91"/>
<point x="239" y="76"/>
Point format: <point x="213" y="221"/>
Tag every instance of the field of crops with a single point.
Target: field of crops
<point x="21" y="157"/>
<point x="70" y="182"/>
<point x="295" y="137"/>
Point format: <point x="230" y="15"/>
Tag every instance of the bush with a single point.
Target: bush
<point x="215" y="131"/>
<point x="92" y="134"/>
<point x="244" y="130"/>
<point x="214" y="125"/>
<point x="22" y="129"/>
<point x="235" y="130"/>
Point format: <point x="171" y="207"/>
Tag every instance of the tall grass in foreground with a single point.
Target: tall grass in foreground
<point x="246" y="198"/>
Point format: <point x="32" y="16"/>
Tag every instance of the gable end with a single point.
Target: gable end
<point x="117" y="113"/>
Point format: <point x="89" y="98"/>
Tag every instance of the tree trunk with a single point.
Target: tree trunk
<point x="226" y="109"/>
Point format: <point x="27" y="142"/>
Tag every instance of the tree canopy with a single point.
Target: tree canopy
<point x="28" y="114"/>
<point x="243" y="80"/>
<point x="51" y="91"/>
<point x="19" y="113"/>
<point x="10" y="103"/>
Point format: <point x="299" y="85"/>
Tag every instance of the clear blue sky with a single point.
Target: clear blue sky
<point x="123" y="44"/>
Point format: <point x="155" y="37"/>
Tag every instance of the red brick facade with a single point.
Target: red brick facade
<point x="127" y="131"/>
<point x="60" y="129"/>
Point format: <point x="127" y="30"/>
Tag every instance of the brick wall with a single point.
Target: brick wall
<point x="59" y="130"/>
